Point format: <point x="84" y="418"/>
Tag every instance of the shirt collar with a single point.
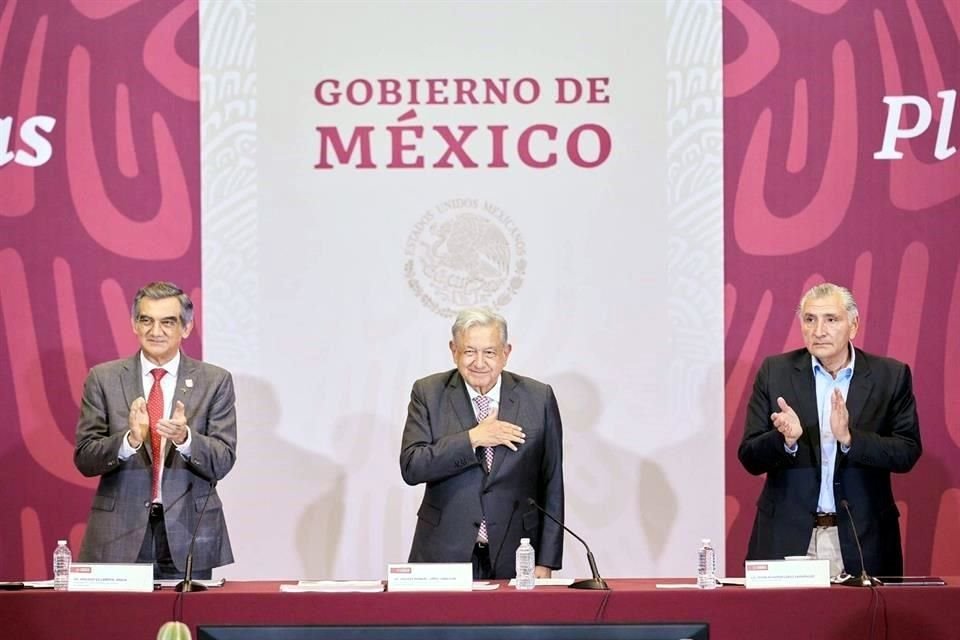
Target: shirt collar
<point x="819" y="368"/>
<point x="171" y="367"/>
<point x="493" y="394"/>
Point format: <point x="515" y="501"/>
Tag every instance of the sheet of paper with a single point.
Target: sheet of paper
<point x="169" y="584"/>
<point x="334" y="586"/>
<point x="485" y="586"/>
<point x="677" y="585"/>
<point x="548" y="582"/>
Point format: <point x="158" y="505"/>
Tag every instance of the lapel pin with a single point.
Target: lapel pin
<point x="189" y="383"/>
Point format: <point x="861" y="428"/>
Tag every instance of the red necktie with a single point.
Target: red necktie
<point x="483" y="410"/>
<point x="155" y="412"/>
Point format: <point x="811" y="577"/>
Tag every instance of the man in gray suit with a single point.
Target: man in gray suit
<point x="484" y="440"/>
<point x="146" y="512"/>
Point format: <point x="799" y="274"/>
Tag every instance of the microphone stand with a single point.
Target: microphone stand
<point x="187" y="584"/>
<point x="864" y="579"/>
<point x="596" y="582"/>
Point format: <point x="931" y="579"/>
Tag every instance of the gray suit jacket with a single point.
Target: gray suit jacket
<point x="119" y="515"/>
<point x="436" y="450"/>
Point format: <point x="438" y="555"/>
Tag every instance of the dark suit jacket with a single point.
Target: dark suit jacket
<point x="436" y="450"/>
<point x="119" y="515"/>
<point x="885" y="438"/>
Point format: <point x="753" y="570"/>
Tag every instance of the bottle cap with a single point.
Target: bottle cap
<point x="61" y="542"/>
<point x="524" y="540"/>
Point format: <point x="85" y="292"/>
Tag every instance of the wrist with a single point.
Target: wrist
<point x="133" y="442"/>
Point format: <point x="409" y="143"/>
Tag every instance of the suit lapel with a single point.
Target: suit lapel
<point x="861" y="386"/>
<point x="188" y="379"/>
<point x="131" y="382"/>
<point x="460" y="402"/>
<point x="508" y="411"/>
<point x="131" y="379"/>
<point x="806" y="392"/>
<point x="462" y="407"/>
<point x="188" y="385"/>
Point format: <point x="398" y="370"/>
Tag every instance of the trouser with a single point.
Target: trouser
<point x="156" y="550"/>
<point x="481" y="562"/>
<point x="825" y="545"/>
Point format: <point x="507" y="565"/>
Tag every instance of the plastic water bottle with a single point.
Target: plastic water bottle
<point x="525" y="564"/>
<point x="61" y="565"/>
<point x="707" y="568"/>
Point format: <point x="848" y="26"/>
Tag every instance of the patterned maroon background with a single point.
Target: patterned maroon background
<point x="805" y="201"/>
<point x="117" y="205"/>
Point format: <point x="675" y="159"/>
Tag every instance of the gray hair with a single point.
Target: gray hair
<point x="159" y="291"/>
<point x="479" y="317"/>
<point x="826" y="289"/>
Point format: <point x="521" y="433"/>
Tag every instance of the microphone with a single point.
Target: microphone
<point x="864" y="580"/>
<point x="596" y="582"/>
<point x="187" y="583"/>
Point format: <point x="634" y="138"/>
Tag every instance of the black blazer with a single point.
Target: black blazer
<point x="436" y="450"/>
<point x="885" y="438"/>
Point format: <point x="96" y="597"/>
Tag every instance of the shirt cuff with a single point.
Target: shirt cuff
<point x="791" y="450"/>
<point x="184" y="449"/>
<point x="125" y="449"/>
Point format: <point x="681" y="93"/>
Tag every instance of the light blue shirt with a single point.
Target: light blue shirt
<point x="826" y="383"/>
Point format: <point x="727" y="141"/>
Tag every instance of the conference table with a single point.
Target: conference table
<point x="733" y="612"/>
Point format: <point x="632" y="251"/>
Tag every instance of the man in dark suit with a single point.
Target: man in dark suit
<point x="484" y="440"/>
<point x="828" y="424"/>
<point x="146" y="512"/>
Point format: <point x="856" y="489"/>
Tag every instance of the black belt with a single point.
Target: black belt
<point x="825" y="520"/>
<point x="156" y="511"/>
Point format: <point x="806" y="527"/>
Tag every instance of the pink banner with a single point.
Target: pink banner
<point x="841" y="126"/>
<point x="834" y="173"/>
<point x="100" y="176"/>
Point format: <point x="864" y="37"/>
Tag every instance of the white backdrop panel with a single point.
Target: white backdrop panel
<point x="609" y="276"/>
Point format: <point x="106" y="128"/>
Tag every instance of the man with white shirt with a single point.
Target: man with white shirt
<point x="484" y="441"/>
<point x="160" y="430"/>
<point x="828" y="424"/>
